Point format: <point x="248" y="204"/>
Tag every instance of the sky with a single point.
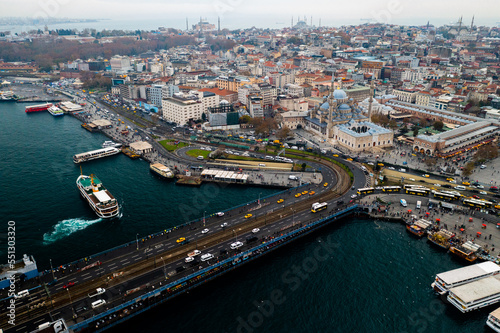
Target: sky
<point x="261" y="13"/>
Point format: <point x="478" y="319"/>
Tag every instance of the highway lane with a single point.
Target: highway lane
<point x="116" y="265"/>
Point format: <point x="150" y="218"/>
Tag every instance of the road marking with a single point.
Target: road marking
<point x="39" y="320"/>
<point x="128" y="262"/>
<point x="85" y="274"/>
<point x="135" y="256"/>
<point x="19" y="328"/>
<point x="123" y="260"/>
<point x="88" y="277"/>
<point x="137" y="259"/>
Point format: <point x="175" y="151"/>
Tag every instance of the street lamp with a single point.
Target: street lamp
<point x="204" y="217"/>
<point x="137" y="241"/>
<point x="71" y="303"/>
<point x="52" y="269"/>
<point x="164" y="273"/>
<point x="235" y="236"/>
<point x="258" y="201"/>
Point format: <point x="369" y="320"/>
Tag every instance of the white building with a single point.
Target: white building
<point x="180" y="109"/>
<point x="362" y="136"/>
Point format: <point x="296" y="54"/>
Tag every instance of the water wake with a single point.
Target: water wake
<point x="65" y="228"/>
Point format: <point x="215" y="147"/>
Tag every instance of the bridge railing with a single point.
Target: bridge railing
<point x="241" y="255"/>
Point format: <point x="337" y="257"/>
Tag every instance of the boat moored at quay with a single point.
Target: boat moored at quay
<point x="493" y="320"/>
<point x="475" y="295"/>
<point x="441" y="238"/>
<point x="95" y="154"/>
<point x="161" y="170"/>
<point x="99" y="198"/>
<point x="467" y="251"/>
<point x="55" y="111"/>
<point x="418" y="228"/>
<point x="38" y="107"/>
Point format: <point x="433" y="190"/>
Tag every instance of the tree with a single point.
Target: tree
<point x="245" y="119"/>
<point x="204" y="117"/>
<point x="415" y="131"/>
<point x="283" y="133"/>
<point x="303" y="167"/>
<point x="467" y="171"/>
<point x="438" y="125"/>
<point x="486" y="152"/>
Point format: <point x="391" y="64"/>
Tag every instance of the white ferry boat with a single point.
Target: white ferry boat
<point x="100" y="200"/>
<point x="55" y="111"/>
<point x="161" y="170"/>
<point x="475" y="295"/>
<point x="95" y="154"/>
<point x="107" y="144"/>
<point x="457" y="277"/>
<point x="494" y="320"/>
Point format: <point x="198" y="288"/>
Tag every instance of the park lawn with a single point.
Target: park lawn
<point x="171" y="147"/>
<point x="198" y="152"/>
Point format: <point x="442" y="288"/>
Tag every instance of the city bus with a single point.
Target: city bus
<point x="477" y="203"/>
<point x="445" y="196"/>
<point x="418" y="191"/>
<point x="367" y="190"/>
<point x="316" y="207"/>
<point x="391" y="188"/>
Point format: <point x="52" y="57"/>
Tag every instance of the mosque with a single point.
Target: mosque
<point x="341" y="122"/>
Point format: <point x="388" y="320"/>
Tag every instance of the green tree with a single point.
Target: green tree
<point x="438" y="125"/>
<point x="283" y="133"/>
<point x="415" y="131"/>
<point x="245" y="119"/>
<point x="468" y="168"/>
<point x="303" y="167"/>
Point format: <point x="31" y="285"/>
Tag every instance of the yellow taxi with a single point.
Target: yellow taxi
<point x="280" y="201"/>
<point x="449" y="179"/>
<point x="297" y="195"/>
<point x="380" y="164"/>
<point x="305" y="192"/>
<point x="466" y="183"/>
<point x="180" y="240"/>
<point x="426" y="176"/>
<point x="335" y="155"/>
<point x="248" y="216"/>
<point x="325" y="184"/>
<point x="497" y="206"/>
<point x="312" y="193"/>
<point x="349" y="159"/>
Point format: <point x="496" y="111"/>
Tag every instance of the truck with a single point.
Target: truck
<point x="98" y="291"/>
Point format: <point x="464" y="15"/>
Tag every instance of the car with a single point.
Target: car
<point x="312" y="193"/>
<point x="69" y="284"/>
<point x="255" y="230"/>
<point x="204" y="231"/>
<point x="438" y="185"/>
<point x="297" y="195"/>
<point x="236" y="245"/>
<point x="220" y="214"/>
<point x="51" y="283"/>
<point x="402" y="170"/>
<point x="449" y="179"/>
<point x="325" y="184"/>
<point x="335" y="155"/>
<point x="206" y="256"/>
<point x="305" y="192"/>
<point x="480" y="186"/>
<point x="370" y="163"/>
<point x="426" y="176"/>
<point x="248" y="216"/>
<point x="380" y="164"/>
<point x="349" y="159"/>
<point x="412" y="179"/>
<point x="483" y="166"/>
<point x="280" y="201"/>
<point x="181" y="240"/>
<point x="223" y="225"/>
<point x="453" y="181"/>
<point x="354" y="196"/>
<point x="483" y="193"/>
<point x="391" y="168"/>
<point x="188" y="259"/>
<point x="446" y="185"/>
<point x="475" y="196"/>
<point x="466" y="183"/>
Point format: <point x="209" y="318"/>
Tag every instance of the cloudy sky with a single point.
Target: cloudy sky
<point x="261" y="13"/>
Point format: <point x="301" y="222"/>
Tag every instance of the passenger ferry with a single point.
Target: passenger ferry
<point x="161" y="170"/>
<point x="494" y="320"/>
<point x="475" y="295"/>
<point x="95" y="154"/>
<point x="55" y="111"/>
<point x="100" y="200"/>
<point x="466" y="251"/>
<point x="38" y="107"/>
<point x="441" y="238"/>
<point x="457" y="277"/>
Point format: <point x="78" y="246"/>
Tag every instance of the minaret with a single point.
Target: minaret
<point x="320" y="23"/>
<point x="292" y="22"/>
<point x="187" y="26"/>
<point x="370" y="100"/>
<point x="460" y="24"/>
<point x="218" y="25"/>
<point x="472" y="24"/>
<point x="311" y="21"/>
<point x="329" y="121"/>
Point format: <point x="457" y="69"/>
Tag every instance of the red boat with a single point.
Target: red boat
<point x="38" y="107"/>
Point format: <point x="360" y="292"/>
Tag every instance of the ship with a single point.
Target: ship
<point x="441" y="238"/>
<point x="55" y="111"/>
<point x="94" y="154"/>
<point x="418" y="228"/>
<point x="161" y="170"/>
<point x="38" y="107"/>
<point x="466" y="251"/>
<point x="8" y="96"/>
<point x="107" y="144"/>
<point x="100" y="200"/>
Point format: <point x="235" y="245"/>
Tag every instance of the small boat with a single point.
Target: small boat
<point x="107" y="144"/>
<point x="418" y="228"/>
<point x="441" y="238"/>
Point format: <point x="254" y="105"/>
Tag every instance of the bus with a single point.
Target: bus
<point x="477" y="203"/>
<point x="445" y="196"/>
<point x="391" y="188"/>
<point x="367" y="190"/>
<point x="316" y="207"/>
<point x="418" y="191"/>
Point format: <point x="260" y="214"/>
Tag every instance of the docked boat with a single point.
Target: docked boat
<point x="38" y="107"/>
<point x="494" y="320"/>
<point x="161" y="170"/>
<point x="55" y="111"/>
<point x="8" y="96"/>
<point x="475" y="295"/>
<point x="107" y="144"/>
<point x="441" y="238"/>
<point x="418" y="228"/>
<point x="100" y="200"/>
<point x="95" y="154"/>
<point x="466" y="251"/>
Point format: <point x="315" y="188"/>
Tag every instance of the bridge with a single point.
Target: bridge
<point x="149" y="271"/>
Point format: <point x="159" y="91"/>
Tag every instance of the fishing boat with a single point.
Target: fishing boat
<point x="99" y="198"/>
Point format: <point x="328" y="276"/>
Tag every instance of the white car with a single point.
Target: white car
<point x="438" y="185"/>
<point x="204" y="231"/>
<point x="206" y="256"/>
<point x="188" y="259"/>
<point x="354" y="196"/>
<point x="402" y="170"/>
<point x="223" y="225"/>
<point x="370" y="163"/>
<point x="412" y="179"/>
<point x="256" y="230"/>
<point x="236" y="245"/>
<point x="220" y="214"/>
<point x="480" y="186"/>
<point x="391" y="168"/>
<point x="483" y="166"/>
<point x="483" y="193"/>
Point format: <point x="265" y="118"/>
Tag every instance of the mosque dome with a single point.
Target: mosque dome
<point x="344" y="107"/>
<point x="339" y="94"/>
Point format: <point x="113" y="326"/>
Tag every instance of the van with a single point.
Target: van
<point x="460" y="188"/>
<point x="403" y="203"/>
<point x="22" y="293"/>
<point x="292" y="177"/>
<point x="419" y="204"/>
<point x="200" y="157"/>
<point x="98" y="303"/>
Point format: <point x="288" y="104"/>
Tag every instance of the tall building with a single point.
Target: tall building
<point x="181" y="109"/>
